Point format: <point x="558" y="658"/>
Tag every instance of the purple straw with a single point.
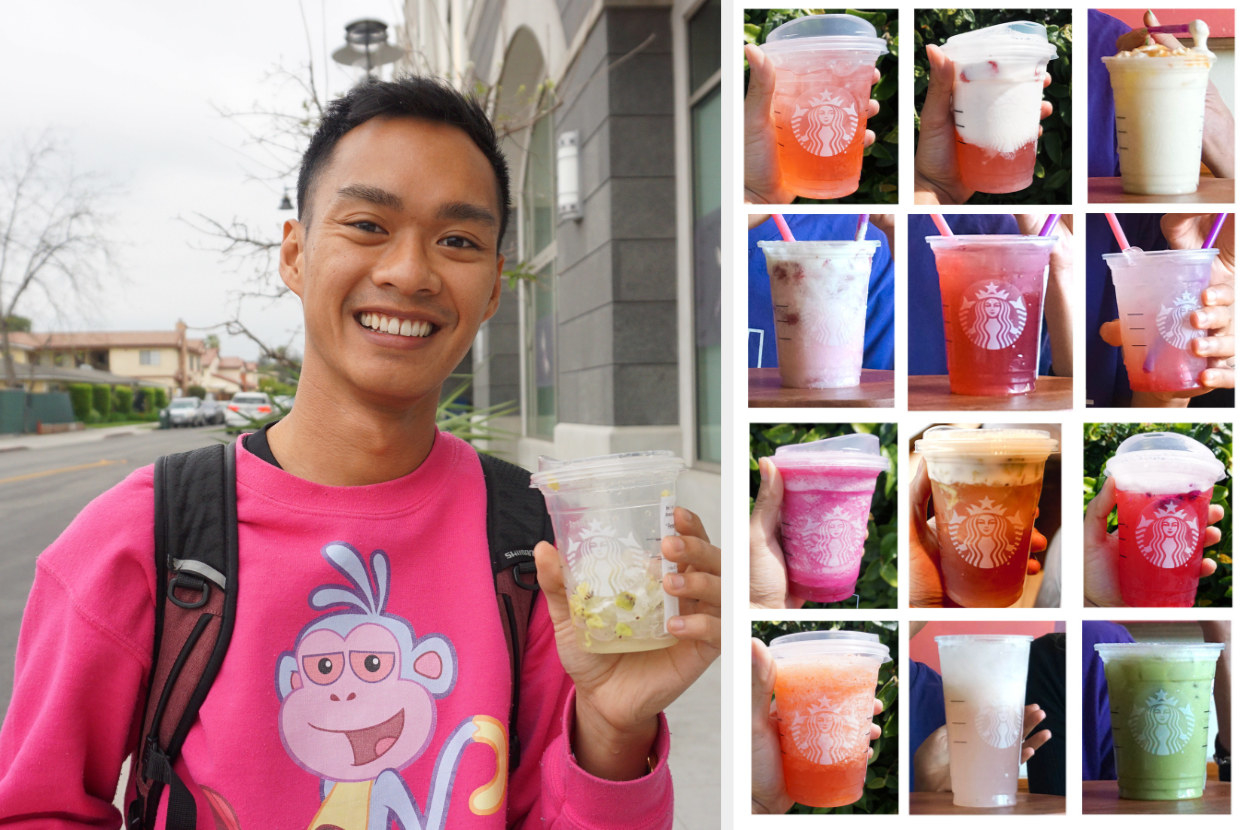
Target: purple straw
<point x="1215" y="230"/>
<point x="1051" y="221"/>
<point x="861" y="227"/>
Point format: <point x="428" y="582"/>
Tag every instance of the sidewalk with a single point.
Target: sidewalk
<point x="64" y="439"/>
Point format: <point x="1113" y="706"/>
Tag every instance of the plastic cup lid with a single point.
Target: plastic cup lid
<point x="1137" y="256"/>
<point x="1166" y="452"/>
<point x="1021" y="38"/>
<point x="947" y="441"/>
<point x="835" y="31"/>
<point x="1181" y="652"/>
<point x="972" y="239"/>
<point x="552" y="472"/>
<point x="831" y="247"/>
<point x="834" y="643"/>
<point x="1006" y="639"/>
<point x="862" y="451"/>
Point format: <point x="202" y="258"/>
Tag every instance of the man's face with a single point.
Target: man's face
<point x="398" y="265"/>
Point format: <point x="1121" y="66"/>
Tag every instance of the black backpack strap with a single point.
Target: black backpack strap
<point x="516" y="520"/>
<point x="197" y="558"/>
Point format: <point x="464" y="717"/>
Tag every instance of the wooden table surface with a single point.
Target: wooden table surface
<point x="1103" y="797"/>
<point x="1027" y="804"/>
<point x="1210" y="191"/>
<point x="929" y="392"/>
<point x="876" y="388"/>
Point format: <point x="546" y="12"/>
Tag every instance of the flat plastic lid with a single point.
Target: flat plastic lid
<point x="1007" y="639"/>
<point x="814" y="248"/>
<point x="826" y="31"/>
<point x="552" y="472"/>
<point x="835" y="643"/>
<point x="1180" y="652"/>
<point x="973" y="240"/>
<point x="861" y="451"/>
<point x="1166" y="452"/>
<point x="945" y="441"/>
<point x="1184" y="257"/>
<point x="1022" y="39"/>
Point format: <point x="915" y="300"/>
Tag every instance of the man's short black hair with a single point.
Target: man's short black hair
<point x="413" y="96"/>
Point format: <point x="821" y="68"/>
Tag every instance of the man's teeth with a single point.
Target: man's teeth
<point x="394" y="325"/>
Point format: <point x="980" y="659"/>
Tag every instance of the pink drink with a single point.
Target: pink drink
<point x="825" y="511"/>
<point x="993" y="288"/>
<point x="993" y="172"/>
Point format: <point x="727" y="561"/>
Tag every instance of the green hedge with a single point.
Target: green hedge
<point x="123" y="400"/>
<point x="80" y="400"/>
<point x="881" y="784"/>
<point x="1053" y="175"/>
<point x="1101" y="442"/>
<point x="878" y="573"/>
<point x="162" y="399"/>
<point x="102" y="399"/>
<point x="878" y="182"/>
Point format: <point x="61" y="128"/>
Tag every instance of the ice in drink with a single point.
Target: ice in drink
<point x="826" y="682"/>
<point x="983" y="684"/>
<point x="1157" y="293"/>
<point x="820" y="300"/>
<point x="1160" y="101"/>
<point x="825" y="511"/>
<point x="1163" y="487"/>
<point x="997" y="103"/>
<point x="609" y="514"/>
<point x="986" y="484"/>
<point x="1160" y="714"/>
<point x="993" y="289"/>
<point x="824" y="66"/>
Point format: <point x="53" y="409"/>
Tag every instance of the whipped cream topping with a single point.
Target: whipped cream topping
<point x="1198" y="30"/>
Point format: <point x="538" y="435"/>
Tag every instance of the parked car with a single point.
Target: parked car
<point x="212" y="412"/>
<point x="184" y="412"/>
<point x="245" y="408"/>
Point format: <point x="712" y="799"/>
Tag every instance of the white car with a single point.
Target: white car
<point x="184" y="412"/>
<point x="246" y="408"/>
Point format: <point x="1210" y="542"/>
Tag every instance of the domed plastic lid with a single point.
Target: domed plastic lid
<point x="862" y="451"/>
<point x="948" y="442"/>
<point x="834" y="31"/>
<point x="1179" y="652"/>
<point x="1020" y="39"/>
<point x="835" y="643"/>
<point x="1167" y="453"/>
<point x="646" y="465"/>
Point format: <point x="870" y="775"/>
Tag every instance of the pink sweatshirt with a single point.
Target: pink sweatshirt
<point x="367" y="671"/>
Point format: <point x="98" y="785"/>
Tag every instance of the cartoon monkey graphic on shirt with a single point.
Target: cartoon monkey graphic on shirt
<point x="358" y="705"/>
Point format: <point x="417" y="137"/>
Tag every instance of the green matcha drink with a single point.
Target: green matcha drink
<point x="1160" y="711"/>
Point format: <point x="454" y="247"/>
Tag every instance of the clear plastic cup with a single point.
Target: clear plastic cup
<point x="1157" y="292"/>
<point x="983" y="683"/>
<point x="820" y="301"/>
<point x="993" y="293"/>
<point x="824" y="67"/>
<point x="825" y="512"/>
<point x="1163" y="487"/>
<point x="999" y="74"/>
<point x="1160" y="713"/>
<point x="826" y="682"/>
<point x="609" y="513"/>
<point x="986" y="483"/>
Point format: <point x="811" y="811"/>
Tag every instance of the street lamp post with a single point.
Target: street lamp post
<point x="367" y="47"/>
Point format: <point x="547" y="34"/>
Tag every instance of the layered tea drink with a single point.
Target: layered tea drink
<point x="820" y="300"/>
<point x="825" y="512"/>
<point x="983" y="683"/>
<point x="826" y="682"/>
<point x="1157" y="293"/>
<point x="993" y="290"/>
<point x="997" y="105"/>
<point x="1163" y="487"/>
<point x="824" y="66"/>
<point x="1160" y="713"/>
<point x="609" y="513"/>
<point x="986" y="483"/>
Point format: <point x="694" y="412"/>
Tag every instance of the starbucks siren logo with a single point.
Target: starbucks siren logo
<point x="832" y="538"/>
<point x="826" y="126"/>
<point x="1167" y="533"/>
<point x="1000" y="726"/>
<point x="1163" y="727"/>
<point x="992" y="314"/>
<point x="1173" y="321"/>
<point x="598" y="554"/>
<point x="825" y="732"/>
<point x="984" y="536"/>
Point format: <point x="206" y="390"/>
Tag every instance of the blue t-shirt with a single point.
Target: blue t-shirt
<point x="1097" y="745"/>
<point x="879" y="324"/>
<point x="1104" y="30"/>
<point x="928" y="709"/>
<point x="926" y="341"/>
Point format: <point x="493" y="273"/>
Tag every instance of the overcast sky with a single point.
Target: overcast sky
<point x="131" y="87"/>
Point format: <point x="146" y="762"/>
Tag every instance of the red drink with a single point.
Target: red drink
<point x="995" y="172"/>
<point x="1161" y="546"/>
<point x="993" y="287"/>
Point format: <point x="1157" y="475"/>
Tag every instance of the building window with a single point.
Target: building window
<point x="538" y="236"/>
<point x="149" y="357"/>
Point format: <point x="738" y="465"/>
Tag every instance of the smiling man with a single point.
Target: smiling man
<point x="367" y="682"/>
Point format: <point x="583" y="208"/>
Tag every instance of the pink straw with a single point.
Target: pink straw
<point x="1215" y="230"/>
<point x="861" y="227"/>
<point x="942" y="227"/>
<point x="1051" y="221"/>
<point x="1117" y="230"/>
<point x="783" y="227"/>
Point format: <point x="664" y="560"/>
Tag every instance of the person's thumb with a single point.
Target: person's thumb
<point x="551" y="580"/>
<point x="758" y="101"/>
<point x="1110" y="333"/>
<point x="763" y="677"/>
<point x="1097" y="511"/>
<point x="767" y="510"/>
<point x="936" y="109"/>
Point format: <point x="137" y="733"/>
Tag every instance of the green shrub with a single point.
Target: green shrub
<point x="1101" y="442"/>
<point x="149" y="400"/>
<point x="102" y="399"/>
<point x="123" y="400"/>
<point x="162" y="398"/>
<point x="878" y="574"/>
<point x="80" y="399"/>
<point x="192" y="392"/>
<point x="878" y="181"/>
<point x="93" y="417"/>
<point x="1052" y="183"/>
<point x="881" y="784"/>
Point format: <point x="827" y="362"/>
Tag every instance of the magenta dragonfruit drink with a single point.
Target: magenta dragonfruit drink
<point x="824" y="512"/>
